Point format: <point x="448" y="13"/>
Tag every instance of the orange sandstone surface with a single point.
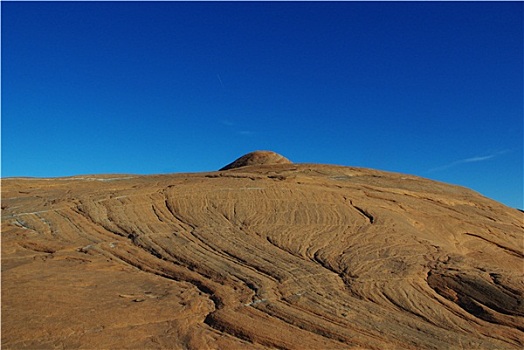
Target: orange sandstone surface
<point x="265" y="254"/>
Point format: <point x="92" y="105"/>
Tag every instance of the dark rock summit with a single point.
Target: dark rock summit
<point x="257" y="158"/>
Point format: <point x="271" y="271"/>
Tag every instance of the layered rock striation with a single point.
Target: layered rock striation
<point x="268" y="254"/>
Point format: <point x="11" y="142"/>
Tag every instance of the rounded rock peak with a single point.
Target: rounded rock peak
<point x="257" y="158"/>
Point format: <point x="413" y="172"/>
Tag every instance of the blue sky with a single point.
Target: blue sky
<point x="433" y="89"/>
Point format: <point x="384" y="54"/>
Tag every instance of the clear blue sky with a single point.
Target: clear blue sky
<point x="431" y="89"/>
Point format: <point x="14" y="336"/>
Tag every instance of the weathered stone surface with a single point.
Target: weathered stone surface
<point x="292" y="256"/>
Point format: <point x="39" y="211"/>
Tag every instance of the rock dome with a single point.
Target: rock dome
<point x="257" y="158"/>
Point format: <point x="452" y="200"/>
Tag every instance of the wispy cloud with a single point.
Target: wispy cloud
<point x="227" y="122"/>
<point x="468" y="160"/>
<point x="220" y="80"/>
<point x="236" y="128"/>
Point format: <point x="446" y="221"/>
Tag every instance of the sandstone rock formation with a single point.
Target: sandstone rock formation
<point x="289" y="256"/>
<point x="257" y="158"/>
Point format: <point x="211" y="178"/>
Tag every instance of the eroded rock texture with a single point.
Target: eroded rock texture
<point x="288" y="256"/>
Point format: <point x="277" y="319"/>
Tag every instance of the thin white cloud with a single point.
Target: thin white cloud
<point x="467" y="160"/>
<point x="235" y="128"/>
<point x="477" y="159"/>
<point x="227" y="122"/>
<point x="220" y="80"/>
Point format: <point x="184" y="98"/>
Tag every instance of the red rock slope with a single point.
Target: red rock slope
<point x="289" y="256"/>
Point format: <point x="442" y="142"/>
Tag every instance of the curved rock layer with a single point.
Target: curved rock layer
<point x="279" y="256"/>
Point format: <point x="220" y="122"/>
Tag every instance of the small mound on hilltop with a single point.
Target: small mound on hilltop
<point x="257" y="158"/>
